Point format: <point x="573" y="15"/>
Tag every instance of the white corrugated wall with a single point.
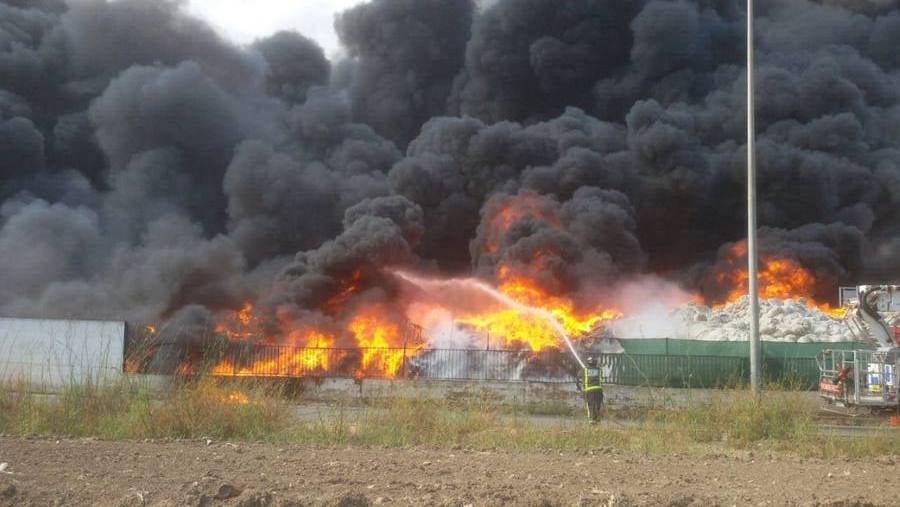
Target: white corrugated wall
<point x="51" y="353"/>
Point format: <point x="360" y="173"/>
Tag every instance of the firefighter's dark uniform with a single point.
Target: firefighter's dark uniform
<point x="593" y="391"/>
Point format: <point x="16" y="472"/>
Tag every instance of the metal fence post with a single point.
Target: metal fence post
<point x="403" y="368"/>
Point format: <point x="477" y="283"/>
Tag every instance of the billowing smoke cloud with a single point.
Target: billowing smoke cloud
<point x="530" y="58"/>
<point x="295" y="64"/>
<point x="377" y="233"/>
<point x="406" y="54"/>
<point x="178" y="174"/>
<point x="58" y="240"/>
<point x="567" y="247"/>
<point x="831" y="251"/>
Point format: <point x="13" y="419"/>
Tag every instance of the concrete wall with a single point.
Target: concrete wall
<point x="555" y="394"/>
<point x="51" y="353"/>
<point x="334" y="389"/>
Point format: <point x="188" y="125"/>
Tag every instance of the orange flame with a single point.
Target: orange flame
<point x="499" y="324"/>
<point x="306" y="357"/>
<point x="225" y="367"/>
<point x="382" y="337"/>
<point x="302" y="350"/>
<point x="512" y="209"/>
<point x="577" y="324"/>
<point x="246" y="314"/>
<point x="349" y="287"/>
<point x="520" y="282"/>
<point x="239" y="325"/>
<point x="238" y="397"/>
<point x="132" y="365"/>
<point x="779" y="278"/>
<point x="381" y="341"/>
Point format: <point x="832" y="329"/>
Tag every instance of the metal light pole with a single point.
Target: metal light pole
<point x="752" y="257"/>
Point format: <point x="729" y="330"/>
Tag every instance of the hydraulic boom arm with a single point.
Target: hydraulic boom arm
<point x="867" y="317"/>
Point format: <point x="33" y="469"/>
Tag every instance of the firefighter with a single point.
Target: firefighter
<point x="592" y="385"/>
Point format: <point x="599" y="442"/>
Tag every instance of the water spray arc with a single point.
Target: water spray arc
<point x="432" y="285"/>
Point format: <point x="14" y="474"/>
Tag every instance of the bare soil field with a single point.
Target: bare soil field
<point x="91" y="472"/>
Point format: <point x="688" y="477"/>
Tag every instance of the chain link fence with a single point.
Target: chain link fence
<point x="549" y="365"/>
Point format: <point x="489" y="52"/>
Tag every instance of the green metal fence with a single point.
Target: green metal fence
<point x="692" y="363"/>
<point x="644" y="362"/>
<point x="674" y="371"/>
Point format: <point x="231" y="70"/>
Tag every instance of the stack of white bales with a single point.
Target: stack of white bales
<point x="781" y="320"/>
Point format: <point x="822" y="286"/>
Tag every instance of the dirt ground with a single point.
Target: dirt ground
<point x="90" y="472"/>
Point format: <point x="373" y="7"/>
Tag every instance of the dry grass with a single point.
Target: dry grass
<point x="779" y="421"/>
<point x="740" y="418"/>
<point x="127" y="410"/>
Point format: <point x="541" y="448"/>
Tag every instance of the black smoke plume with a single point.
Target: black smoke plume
<point x="150" y="169"/>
